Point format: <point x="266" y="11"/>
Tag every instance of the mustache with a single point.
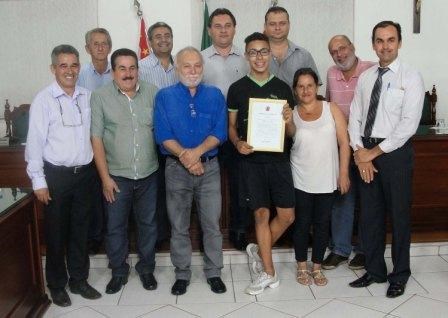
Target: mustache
<point x="128" y="78"/>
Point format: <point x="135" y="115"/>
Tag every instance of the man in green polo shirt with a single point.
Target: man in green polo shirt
<point x="126" y="159"/>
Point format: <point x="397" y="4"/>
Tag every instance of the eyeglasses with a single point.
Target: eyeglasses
<point x="192" y="110"/>
<point x="262" y="52"/>
<point x="62" y="114"/>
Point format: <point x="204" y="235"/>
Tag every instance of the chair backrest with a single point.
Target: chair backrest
<point x="429" y="108"/>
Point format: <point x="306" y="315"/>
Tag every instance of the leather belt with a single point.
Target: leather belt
<point x="73" y="170"/>
<point x="203" y="158"/>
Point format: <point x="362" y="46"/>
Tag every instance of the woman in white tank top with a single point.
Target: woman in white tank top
<point x="318" y="170"/>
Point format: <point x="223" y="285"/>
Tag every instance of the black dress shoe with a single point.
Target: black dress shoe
<point x="148" y="281"/>
<point x="60" y="297"/>
<point x="115" y="284"/>
<point x="217" y="285"/>
<point x="180" y="287"/>
<point x="84" y="289"/>
<point x="364" y="281"/>
<point x="396" y="289"/>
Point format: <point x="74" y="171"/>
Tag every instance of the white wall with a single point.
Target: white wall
<point x="31" y="28"/>
<point x="426" y="51"/>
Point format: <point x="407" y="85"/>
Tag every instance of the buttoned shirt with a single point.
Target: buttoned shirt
<point x="89" y="78"/>
<point x="59" y="131"/>
<point x="296" y="57"/>
<point x="189" y="120"/>
<point x="399" y="108"/>
<point x="341" y="91"/>
<point x="125" y="126"/>
<point x="221" y="71"/>
<point x="151" y="71"/>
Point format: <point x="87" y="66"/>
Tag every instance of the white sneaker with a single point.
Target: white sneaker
<point x="261" y="282"/>
<point x="254" y="258"/>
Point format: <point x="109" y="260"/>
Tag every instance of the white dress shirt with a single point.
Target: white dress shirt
<point x="60" y="138"/>
<point x="399" y="108"/>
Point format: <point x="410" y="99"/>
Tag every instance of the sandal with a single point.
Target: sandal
<point x="319" y="278"/>
<point x="304" y="277"/>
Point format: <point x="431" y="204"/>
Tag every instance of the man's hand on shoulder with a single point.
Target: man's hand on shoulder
<point x="43" y="195"/>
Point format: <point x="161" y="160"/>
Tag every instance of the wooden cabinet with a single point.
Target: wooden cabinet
<point x="430" y="188"/>
<point x="22" y="291"/>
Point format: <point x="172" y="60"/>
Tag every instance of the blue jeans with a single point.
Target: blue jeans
<point x="342" y="218"/>
<point x="140" y="197"/>
<point x="181" y="188"/>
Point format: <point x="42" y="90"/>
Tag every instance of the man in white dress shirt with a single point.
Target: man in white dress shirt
<point x="384" y="114"/>
<point x="59" y="156"/>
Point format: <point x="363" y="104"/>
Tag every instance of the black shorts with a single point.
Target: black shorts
<point x="265" y="184"/>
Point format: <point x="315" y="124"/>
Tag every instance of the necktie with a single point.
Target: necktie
<point x="374" y="99"/>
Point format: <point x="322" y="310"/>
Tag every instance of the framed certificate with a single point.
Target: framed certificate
<point x="266" y="127"/>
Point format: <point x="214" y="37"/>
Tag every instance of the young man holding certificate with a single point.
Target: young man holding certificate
<point x="265" y="174"/>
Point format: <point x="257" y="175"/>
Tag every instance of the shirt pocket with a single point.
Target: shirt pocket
<point x="204" y="122"/>
<point x="394" y="101"/>
<point x="145" y="118"/>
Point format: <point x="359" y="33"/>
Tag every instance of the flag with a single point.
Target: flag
<point x="143" y="43"/>
<point x="206" y="41"/>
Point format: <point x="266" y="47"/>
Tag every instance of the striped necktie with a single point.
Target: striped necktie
<point x="374" y="99"/>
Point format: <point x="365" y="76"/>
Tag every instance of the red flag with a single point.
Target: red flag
<point x="143" y="43"/>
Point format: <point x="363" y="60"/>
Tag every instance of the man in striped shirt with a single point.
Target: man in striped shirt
<point x="341" y="83"/>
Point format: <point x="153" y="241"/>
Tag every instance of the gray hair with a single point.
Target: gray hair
<point x="63" y="49"/>
<point x="158" y="25"/>
<point x="98" y="30"/>
<point x="187" y="49"/>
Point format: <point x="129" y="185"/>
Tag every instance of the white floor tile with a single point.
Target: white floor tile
<point x="240" y="272"/>
<point x="212" y="310"/>
<point x="297" y="308"/>
<point x="240" y="295"/>
<point x="437" y="296"/>
<point x="424" y="264"/>
<point x="412" y="287"/>
<point x="288" y="290"/>
<point x="340" y="271"/>
<point x="84" y="312"/>
<point x="340" y="309"/>
<point x="445" y="257"/>
<point x="125" y="311"/>
<point x="418" y="307"/>
<point x="426" y="250"/>
<point x="433" y="282"/>
<point x="256" y="310"/>
<point x="443" y="249"/>
<point x="164" y="274"/>
<point x="134" y="294"/>
<point x="56" y="311"/>
<point x="286" y="270"/>
<point x="168" y="312"/>
<point x="201" y="293"/>
<point x="239" y="258"/>
<point x="338" y="287"/>
<point x="378" y="303"/>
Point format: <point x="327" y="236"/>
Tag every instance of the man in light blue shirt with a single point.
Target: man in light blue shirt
<point x="97" y="73"/>
<point x="157" y="68"/>
<point x="59" y="156"/>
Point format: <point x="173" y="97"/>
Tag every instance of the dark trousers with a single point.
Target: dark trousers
<point x="66" y="221"/>
<point x="96" y="226"/>
<point x="140" y="197"/>
<point x="389" y="193"/>
<point x="312" y="209"/>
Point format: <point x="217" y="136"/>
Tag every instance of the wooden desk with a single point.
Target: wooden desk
<point x="430" y="187"/>
<point x="22" y="291"/>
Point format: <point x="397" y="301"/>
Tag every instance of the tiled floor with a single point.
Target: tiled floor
<point x="426" y="293"/>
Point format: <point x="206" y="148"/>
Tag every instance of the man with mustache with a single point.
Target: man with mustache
<point x="341" y="83"/>
<point x="126" y="159"/>
<point x="190" y="123"/>
<point x="224" y="64"/>
<point x="59" y="157"/>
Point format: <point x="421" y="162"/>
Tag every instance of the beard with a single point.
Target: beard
<point x="347" y="64"/>
<point x="190" y="80"/>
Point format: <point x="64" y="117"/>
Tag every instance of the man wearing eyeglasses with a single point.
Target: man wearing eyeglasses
<point x="266" y="176"/>
<point x="342" y="79"/>
<point x="190" y="123"/>
<point x="126" y="159"/>
<point x="224" y="64"/>
<point x="286" y="57"/>
<point x="59" y="157"/>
